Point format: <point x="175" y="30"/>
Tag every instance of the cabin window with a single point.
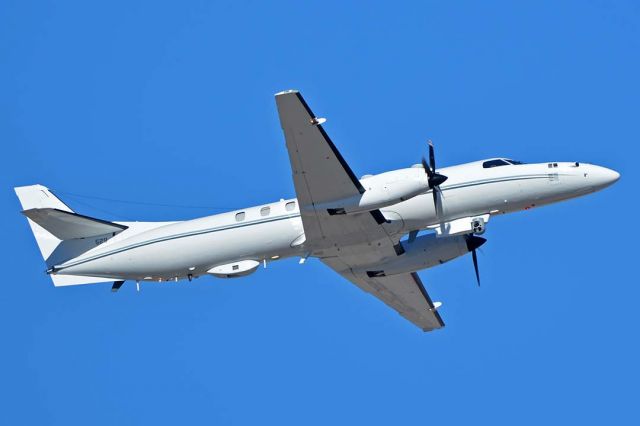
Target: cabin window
<point x="240" y="217"/>
<point x="290" y="206"/>
<point x="494" y="163"/>
<point x="265" y="211"/>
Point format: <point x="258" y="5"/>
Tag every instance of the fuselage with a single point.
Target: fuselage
<point x="263" y="233"/>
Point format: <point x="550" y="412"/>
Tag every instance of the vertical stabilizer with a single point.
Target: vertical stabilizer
<point x="39" y="197"/>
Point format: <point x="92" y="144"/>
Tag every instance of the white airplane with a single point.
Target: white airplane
<point x="354" y="226"/>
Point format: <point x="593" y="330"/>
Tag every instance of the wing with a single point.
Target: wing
<point x="345" y="242"/>
<point x="320" y="174"/>
<point x="404" y="292"/>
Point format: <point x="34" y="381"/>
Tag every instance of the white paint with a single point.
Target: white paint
<point x="228" y="245"/>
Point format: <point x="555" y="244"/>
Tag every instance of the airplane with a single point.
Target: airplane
<point x="369" y="230"/>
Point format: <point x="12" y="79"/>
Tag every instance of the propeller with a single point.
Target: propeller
<point x="473" y="242"/>
<point x="434" y="178"/>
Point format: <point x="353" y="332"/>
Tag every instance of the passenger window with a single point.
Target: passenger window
<point x="240" y="217"/>
<point x="265" y="211"/>
<point x="290" y="206"/>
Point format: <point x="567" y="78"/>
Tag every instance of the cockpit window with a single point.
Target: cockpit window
<point x="500" y="162"/>
<point x="494" y="163"/>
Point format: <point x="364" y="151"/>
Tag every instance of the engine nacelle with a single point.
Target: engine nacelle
<point x="425" y="252"/>
<point x="382" y="190"/>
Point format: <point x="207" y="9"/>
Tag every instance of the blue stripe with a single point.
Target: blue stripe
<point x="273" y="219"/>
<point x="174" y="237"/>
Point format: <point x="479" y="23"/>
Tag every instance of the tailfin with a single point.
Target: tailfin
<point x="60" y="232"/>
<point x="39" y="197"/>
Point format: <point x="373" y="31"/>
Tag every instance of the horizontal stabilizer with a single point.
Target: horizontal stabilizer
<point x="61" y="280"/>
<point x="68" y="225"/>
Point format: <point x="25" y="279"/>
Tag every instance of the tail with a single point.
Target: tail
<point x="61" y="233"/>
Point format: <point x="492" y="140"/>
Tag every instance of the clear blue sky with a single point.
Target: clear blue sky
<point x="173" y="103"/>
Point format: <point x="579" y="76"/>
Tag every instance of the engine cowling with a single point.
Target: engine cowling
<point x="425" y="252"/>
<point x="382" y="190"/>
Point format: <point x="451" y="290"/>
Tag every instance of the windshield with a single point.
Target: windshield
<point x="494" y="163"/>
<point x="500" y="162"/>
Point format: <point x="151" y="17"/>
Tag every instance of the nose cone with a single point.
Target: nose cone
<point x="613" y="176"/>
<point x="602" y="177"/>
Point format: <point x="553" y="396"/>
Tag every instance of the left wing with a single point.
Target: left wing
<point x="405" y="293"/>
<point x="321" y="175"/>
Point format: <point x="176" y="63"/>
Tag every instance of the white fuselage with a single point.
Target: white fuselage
<point x="192" y="248"/>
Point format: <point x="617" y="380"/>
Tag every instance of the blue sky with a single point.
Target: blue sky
<point x="172" y="103"/>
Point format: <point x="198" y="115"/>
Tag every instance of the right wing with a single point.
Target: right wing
<point x="403" y="292"/>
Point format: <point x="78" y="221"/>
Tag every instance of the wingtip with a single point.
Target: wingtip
<point x="285" y="92"/>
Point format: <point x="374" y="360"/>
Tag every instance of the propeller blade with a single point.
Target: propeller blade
<point x="432" y="157"/>
<point x="435" y="179"/>
<point x="473" y="242"/>
<point x="474" y="256"/>
<point x="426" y="168"/>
